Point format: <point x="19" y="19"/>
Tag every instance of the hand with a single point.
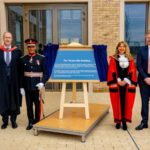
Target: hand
<point x="147" y="81"/>
<point x="22" y="91"/>
<point x="40" y="85"/>
<point x="122" y="83"/>
<point x="127" y="81"/>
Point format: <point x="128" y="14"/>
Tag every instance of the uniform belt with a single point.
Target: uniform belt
<point x="33" y="74"/>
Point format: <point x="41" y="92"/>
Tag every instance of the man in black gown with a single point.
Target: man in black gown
<point x="10" y="97"/>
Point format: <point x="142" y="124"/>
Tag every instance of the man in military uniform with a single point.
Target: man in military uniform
<point x="33" y="79"/>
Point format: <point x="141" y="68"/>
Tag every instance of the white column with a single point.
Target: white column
<point x="122" y="24"/>
<point x="3" y="23"/>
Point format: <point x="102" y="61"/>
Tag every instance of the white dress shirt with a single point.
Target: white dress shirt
<point x="9" y="47"/>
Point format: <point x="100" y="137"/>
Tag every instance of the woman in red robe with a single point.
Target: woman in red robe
<point x="122" y="83"/>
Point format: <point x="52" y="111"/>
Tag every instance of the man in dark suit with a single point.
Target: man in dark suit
<point x="143" y="66"/>
<point x="10" y="97"/>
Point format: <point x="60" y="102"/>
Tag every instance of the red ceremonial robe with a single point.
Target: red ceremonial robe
<point x="114" y="90"/>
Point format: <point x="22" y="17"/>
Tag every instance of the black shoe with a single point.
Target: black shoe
<point x="14" y="125"/>
<point x="35" y="121"/>
<point x="124" y="126"/>
<point x="118" y="126"/>
<point x="4" y="125"/>
<point x="141" y="126"/>
<point x="29" y="127"/>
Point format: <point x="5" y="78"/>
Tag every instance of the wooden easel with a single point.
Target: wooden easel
<point x="84" y="105"/>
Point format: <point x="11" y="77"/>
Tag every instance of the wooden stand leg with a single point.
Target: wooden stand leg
<point x="86" y="101"/>
<point x="74" y="92"/>
<point x="62" y="101"/>
<point x="83" y="139"/>
<point x="35" y="131"/>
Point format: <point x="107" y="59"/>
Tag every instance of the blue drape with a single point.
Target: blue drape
<point x="100" y="54"/>
<point x="50" y="53"/>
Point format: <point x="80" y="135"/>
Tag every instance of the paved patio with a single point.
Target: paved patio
<point x="103" y="137"/>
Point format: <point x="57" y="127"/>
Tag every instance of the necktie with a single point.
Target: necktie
<point x="7" y="57"/>
<point x="149" y="61"/>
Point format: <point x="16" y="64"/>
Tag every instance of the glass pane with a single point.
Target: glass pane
<point x="15" y="24"/>
<point x="135" y="25"/>
<point x="40" y="25"/>
<point x="70" y="26"/>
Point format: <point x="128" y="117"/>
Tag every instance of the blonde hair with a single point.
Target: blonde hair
<point x="127" y="52"/>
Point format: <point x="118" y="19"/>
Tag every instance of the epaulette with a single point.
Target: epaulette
<point x="40" y="55"/>
<point x="23" y="56"/>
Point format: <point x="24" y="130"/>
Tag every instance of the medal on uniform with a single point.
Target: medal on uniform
<point x="30" y="60"/>
<point x="38" y="62"/>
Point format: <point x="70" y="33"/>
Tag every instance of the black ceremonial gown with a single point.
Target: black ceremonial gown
<point x="10" y="97"/>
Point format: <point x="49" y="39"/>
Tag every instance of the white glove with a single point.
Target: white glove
<point x="40" y="85"/>
<point x="22" y="91"/>
<point x="127" y="81"/>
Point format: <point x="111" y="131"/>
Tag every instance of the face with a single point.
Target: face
<point x="31" y="49"/>
<point x="148" y="39"/>
<point x="121" y="49"/>
<point x="7" y="38"/>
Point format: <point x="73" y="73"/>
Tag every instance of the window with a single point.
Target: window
<point x="48" y="23"/>
<point x="70" y="26"/>
<point x="40" y="25"/>
<point x="135" y="25"/>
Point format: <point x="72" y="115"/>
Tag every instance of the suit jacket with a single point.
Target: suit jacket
<point x="10" y="97"/>
<point x="142" y="64"/>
